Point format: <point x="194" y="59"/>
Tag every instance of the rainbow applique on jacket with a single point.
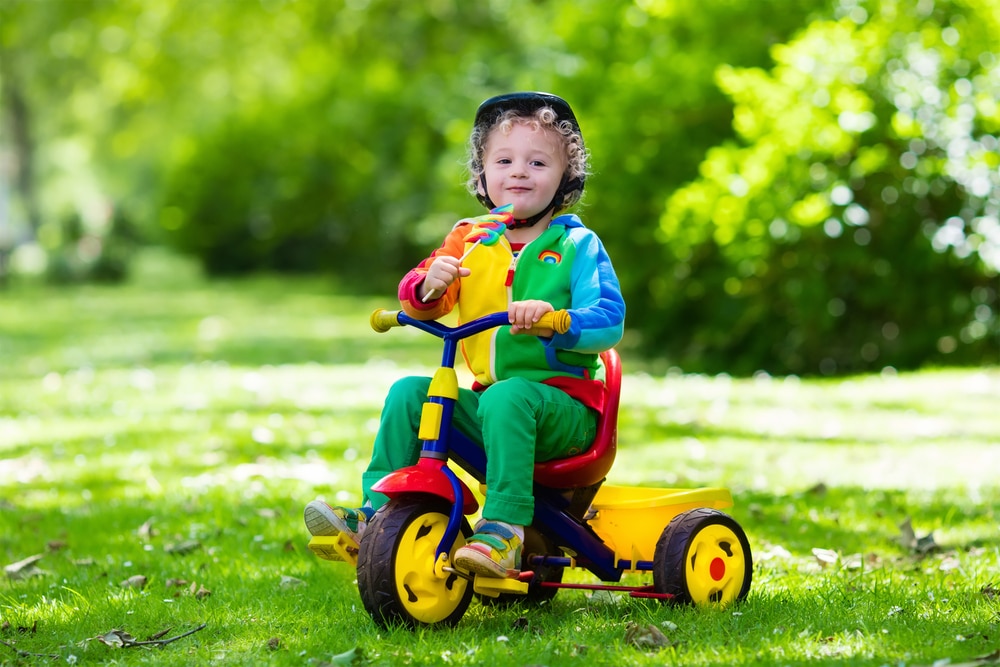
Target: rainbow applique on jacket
<point x="550" y="257"/>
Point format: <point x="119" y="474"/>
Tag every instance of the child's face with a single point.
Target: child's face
<point x="524" y="168"/>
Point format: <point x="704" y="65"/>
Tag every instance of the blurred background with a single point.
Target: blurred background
<point x="790" y="186"/>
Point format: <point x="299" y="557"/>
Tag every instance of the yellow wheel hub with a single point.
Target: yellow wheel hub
<point x="715" y="566"/>
<point x="427" y="597"/>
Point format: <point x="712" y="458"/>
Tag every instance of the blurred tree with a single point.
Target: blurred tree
<point x="400" y="93"/>
<point x="20" y="24"/>
<point x="299" y="136"/>
<point x="337" y="171"/>
<point x="856" y="224"/>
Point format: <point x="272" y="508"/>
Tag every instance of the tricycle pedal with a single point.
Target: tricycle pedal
<point x="335" y="547"/>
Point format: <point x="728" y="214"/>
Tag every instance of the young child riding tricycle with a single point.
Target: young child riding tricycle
<point x="540" y="310"/>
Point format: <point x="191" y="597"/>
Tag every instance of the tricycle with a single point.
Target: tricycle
<point x="696" y="553"/>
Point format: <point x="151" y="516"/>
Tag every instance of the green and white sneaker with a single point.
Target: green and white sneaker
<point x="326" y="521"/>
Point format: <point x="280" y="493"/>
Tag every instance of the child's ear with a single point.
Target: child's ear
<point x="480" y="189"/>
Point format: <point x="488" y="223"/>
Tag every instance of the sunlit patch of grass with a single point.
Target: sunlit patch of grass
<point x="176" y="431"/>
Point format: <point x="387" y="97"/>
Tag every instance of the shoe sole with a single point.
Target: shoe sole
<point x="482" y="564"/>
<point x="321" y="521"/>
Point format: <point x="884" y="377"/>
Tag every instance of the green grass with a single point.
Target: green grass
<point x="180" y="413"/>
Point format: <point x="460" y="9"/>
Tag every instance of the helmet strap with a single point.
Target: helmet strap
<point x="557" y="200"/>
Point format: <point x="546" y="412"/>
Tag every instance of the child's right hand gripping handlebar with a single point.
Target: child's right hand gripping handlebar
<point x="382" y="320"/>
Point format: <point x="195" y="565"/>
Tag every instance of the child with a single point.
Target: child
<point x="536" y="395"/>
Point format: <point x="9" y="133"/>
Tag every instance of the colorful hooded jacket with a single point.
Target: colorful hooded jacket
<point x="566" y="266"/>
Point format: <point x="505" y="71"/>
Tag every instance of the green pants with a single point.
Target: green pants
<point x="516" y="421"/>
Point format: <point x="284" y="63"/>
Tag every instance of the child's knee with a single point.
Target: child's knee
<point x="406" y="391"/>
<point x="504" y="394"/>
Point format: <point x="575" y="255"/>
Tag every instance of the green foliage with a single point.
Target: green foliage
<point x="805" y="186"/>
<point x="855" y="225"/>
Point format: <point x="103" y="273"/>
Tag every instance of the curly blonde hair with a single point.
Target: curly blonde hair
<point x="544" y="118"/>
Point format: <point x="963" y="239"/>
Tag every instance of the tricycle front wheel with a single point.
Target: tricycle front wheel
<point x="396" y="577"/>
<point x="703" y="557"/>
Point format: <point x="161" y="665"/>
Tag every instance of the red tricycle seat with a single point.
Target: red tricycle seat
<point x="593" y="465"/>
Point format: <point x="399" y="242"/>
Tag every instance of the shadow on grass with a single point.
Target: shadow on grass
<point x="873" y="522"/>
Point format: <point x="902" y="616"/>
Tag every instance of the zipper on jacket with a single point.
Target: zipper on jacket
<point x="509" y="283"/>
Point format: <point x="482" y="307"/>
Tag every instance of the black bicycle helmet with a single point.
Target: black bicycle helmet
<point x="526" y="103"/>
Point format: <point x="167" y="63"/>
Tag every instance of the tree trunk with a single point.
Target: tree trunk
<point x="16" y="116"/>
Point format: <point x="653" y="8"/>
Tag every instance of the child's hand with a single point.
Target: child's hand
<point x="442" y="272"/>
<point x="524" y="314"/>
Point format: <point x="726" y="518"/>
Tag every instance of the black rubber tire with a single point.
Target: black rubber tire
<point x="535" y="544"/>
<point x="703" y="557"/>
<point x="396" y="577"/>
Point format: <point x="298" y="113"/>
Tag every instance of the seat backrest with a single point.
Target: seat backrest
<point x="593" y="465"/>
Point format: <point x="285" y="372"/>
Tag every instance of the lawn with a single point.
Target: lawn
<point x="159" y="440"/>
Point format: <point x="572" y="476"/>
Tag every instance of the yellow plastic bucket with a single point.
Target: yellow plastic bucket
<point x="631" y="519"/>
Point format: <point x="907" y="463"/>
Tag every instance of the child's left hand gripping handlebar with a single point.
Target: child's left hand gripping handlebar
<point x="558" y="321"/>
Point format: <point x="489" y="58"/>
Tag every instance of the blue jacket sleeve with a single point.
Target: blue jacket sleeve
<point x="598" y="311"/>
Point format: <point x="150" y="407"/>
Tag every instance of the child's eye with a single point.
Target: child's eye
<point x="537" y="163"/>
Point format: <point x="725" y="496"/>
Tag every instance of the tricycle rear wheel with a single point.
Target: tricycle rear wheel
<point x="703" y="557"/>
<point x="396" y="576"/>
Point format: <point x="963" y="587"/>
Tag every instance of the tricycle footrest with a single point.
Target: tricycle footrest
<point x="335" y="547"/>
<point x="493" y="586"/>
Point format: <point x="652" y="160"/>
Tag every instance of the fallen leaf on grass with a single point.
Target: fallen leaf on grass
<point x="646" y="636"/>
<point x="602" y="596"/>
<point x="950" y="562"/>
<point x="158" y="635"/>
<point x="188" y="588"/>
<point x="290" y="582"/>
<point x="771" y="552"/>
<point x="25" y="569"/>
<point x="854" y="561"/>
<point x="825" y="556"/>
<point x="908" y="538"/>
<point x="5" y="626"/>
<point x="115" y="638"/>
<point x="122" y="639"/>
<point x="990" y="591"/>
<point x="146" y="531"/>
<point x="274" y="643"/>
<point x="135" y="581"/>
<point x="183" y="548"/>
<point x="353" y="657"/>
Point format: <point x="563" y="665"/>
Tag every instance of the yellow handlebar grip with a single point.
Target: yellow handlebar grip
<point x="382" y="320"/>
<point x="558" y="321"/>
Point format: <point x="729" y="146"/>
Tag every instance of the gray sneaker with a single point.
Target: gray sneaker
<point x="322" y="519"/>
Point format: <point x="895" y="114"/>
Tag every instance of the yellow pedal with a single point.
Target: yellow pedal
<point x="493" y="587"/>
<point x="334" y="547"/>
